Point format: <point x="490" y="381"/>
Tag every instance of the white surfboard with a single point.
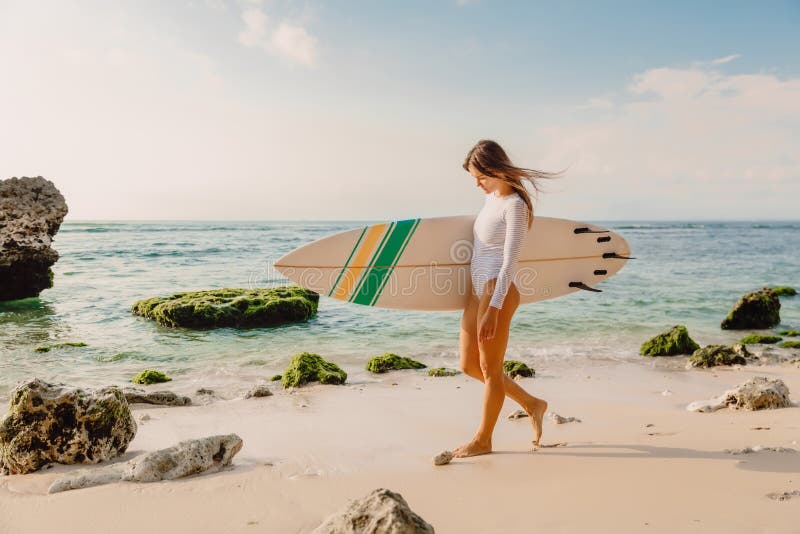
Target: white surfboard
<point x="423" y="264"/>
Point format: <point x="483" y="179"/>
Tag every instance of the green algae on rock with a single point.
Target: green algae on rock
<point x="514" y="368"/>
<point x="790" y="345"/>
<point x="714" y="355"/>
<point x="56" y="423"/>
<point x="48" y="348"/>
<point x="148" y="376"/>
<point x="230" y="307"/>
<point x="674" y="341"/>
<point x="275" y="378"/>
<point x="784" y="291"/>
<point x="757" y="309"/>
<point x="443" y="371"/>
<point x="789" y="333"/>
<point x="308" y="367"/>
<point x="752" y="339"/>
<point x="390" y="362"/>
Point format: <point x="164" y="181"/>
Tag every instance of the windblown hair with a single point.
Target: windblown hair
<point x="491" y="160"/>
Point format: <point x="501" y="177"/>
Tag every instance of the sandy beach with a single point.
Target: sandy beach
<point x="307" y="451"/>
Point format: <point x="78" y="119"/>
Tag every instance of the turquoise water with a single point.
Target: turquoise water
<point x="685" y="273"/>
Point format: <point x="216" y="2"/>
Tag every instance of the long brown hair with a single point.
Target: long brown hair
<point x="491" y="160"/>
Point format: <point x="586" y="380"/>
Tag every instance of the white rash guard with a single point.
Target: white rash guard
<point x="498" y="233"/>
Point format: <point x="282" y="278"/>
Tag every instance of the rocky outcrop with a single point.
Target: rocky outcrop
<point x="163" y="398"/>
<point x="674" y="341"/>
<point x="307" y="367"/>
<point x="31" y="212"/>
<point x="391" y="362"/>
<point x="56" y="423"/>
<point x="757" y="309"/>
<point x="382" y="511"/>
<point x="204" y="455"/>
<point x="515" y="368"/>
<point x="232" y="307"/>
<point x="713" y="355"/>
<point x="758" y="393"/>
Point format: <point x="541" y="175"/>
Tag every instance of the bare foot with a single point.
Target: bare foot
<point x="536" y="413"/>
<point x="473" y="448"/>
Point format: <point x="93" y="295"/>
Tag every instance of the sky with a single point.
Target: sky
<point x="365" y="110"/>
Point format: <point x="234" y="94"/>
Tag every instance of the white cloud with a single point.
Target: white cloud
<point x="726" y="59"/>
<point x="287" y="39"/>
<point x="688" y="141"/>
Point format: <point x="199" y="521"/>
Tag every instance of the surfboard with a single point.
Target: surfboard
<point x="424" y="264"/>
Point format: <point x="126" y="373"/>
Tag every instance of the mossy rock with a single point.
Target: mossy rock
<point x="789" y="333"/>
<point x="443" y="371"/>
<point x="674" y="341"/>
<point x="714" y="355"/>
<point x="784" y="291"/>
<point x="790" y="345"/>
<point x="757" y="309"/>
<point x="308" y="367"/>
<point x="275" y="378"/>
<point x="514" y="368"/>
<point x="390" y="362"/>
<point x="231" y="307"/>
<point x="760" y="338"/>
<point x="148" y="376"/>
<point x="48" y="348"/>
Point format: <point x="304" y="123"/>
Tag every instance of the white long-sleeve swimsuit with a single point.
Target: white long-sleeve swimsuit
<point x="498" y="233"/>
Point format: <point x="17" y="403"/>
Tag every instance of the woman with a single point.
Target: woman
<point x="498" y="233"/>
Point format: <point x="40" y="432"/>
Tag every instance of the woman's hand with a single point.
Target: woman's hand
<point x="488" y="324"/>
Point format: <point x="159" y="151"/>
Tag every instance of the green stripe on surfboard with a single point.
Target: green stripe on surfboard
<point x="394" y="263"/>
<point x="346" y="263"/>
<point x="374" y="279"/>
<point x="378" y="249"/>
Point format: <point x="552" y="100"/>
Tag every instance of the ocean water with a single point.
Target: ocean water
<point x="685" y="273"/>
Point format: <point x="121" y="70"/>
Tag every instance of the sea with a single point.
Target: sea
<point x="684" y="272"/>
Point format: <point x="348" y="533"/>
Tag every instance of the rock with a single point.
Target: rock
<point x="259" y="390"/>
<point x="758" y="393"/>
<point x="713" y="355"/>
<point x="164" y="398"/>
<point x="31" y="212"/>
<point x="204" y="391"/>
<point x="518" y="414"/>
<point x="790" y="345"/>
<point x="560" y="420"/>
<point x="752" y="339"/>
<point x="204" y="455"/>
<point x="443" y="371"/>
<point x="308" y="367"/>
<point x="148" y="376"/>
<point x="56" y="423"/>
<point x="48" y="348"/>
<point x="674" y="341"/>
<point x="784" y="291"/>
<point x="514" y="368"/>
<point x="783" y="496"/>
<point x="230" y="307"/>
<point x="390" y="362"/>
<point x="443" y="458"/>
<point x="382" y="511"/>
<point x="759" y="448"/>
<point x="757" y="309"/>
<point x="789" y="333"/>
<point x="275" y="378"/>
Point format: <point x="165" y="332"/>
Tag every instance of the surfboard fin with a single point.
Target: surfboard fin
<point x="586" y="230"/>
<point x="615" y="255"/>
<point x="581" y="285"/>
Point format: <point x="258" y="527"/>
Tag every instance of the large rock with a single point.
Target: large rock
<point x="674" y="341"/>
<point x="381" y="512"/>
<point x="31" y="212"/>
<point x="56" y="423"/>
<point x="236" y="307"/>
<point x="713" y="355"/>
<point x="758" y="393"/>
<point x="307" y="367"/>
<point x="757" y="309"/>
<point x="204" y="455"/>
